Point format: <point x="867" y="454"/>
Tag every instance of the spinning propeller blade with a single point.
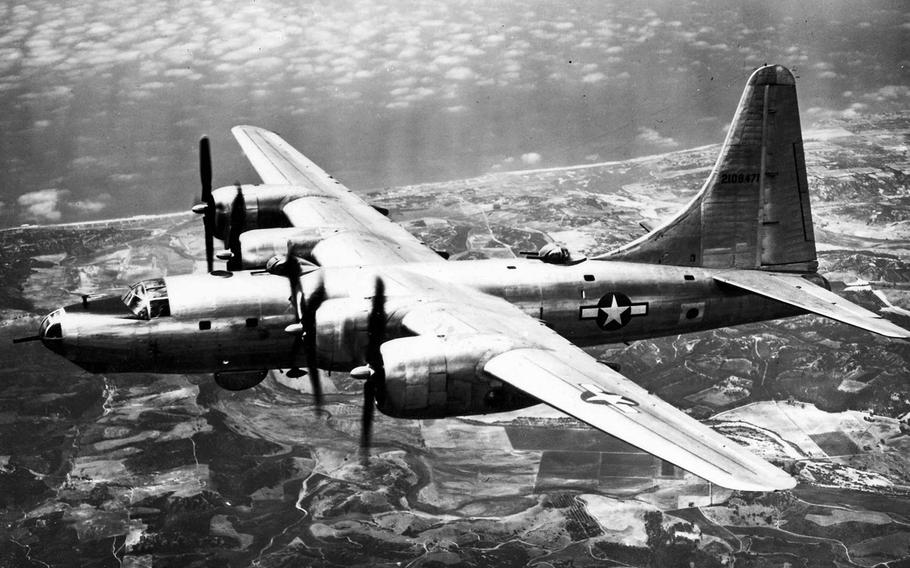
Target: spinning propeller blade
<point x="237" y="226"/>
<point x="375" y="382"/>
<point x="310" y="307"/>
<point x="207" y="207"/>
<point x="304" y="327"/>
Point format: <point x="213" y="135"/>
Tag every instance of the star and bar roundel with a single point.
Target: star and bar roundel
<point x="613" y="311"/>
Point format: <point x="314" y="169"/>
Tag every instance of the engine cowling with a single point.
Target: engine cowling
<point x="435" y="377"/>
<point x="260" y="245"/>
<point x="263" y="206"/>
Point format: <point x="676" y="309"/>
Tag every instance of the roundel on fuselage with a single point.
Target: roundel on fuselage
<point x="613" y="311"/>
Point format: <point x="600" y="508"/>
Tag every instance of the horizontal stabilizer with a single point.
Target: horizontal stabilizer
<point x="797" y="291"/>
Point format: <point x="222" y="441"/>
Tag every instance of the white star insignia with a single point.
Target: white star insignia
<point x="614" y="312"/>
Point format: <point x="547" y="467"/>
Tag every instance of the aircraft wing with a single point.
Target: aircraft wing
<point x="350" y="231"/>
<point x="797" y="291"/>
<point x="553" y="370"/>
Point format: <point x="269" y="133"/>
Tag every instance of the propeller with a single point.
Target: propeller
<point x="304" y="326"/>
<point x="375" y="377"/>
<point x="237" y="226"/>
<point x="309" y="309"/>
<point x="26" y="339"/>
<point x="207" y="207"/>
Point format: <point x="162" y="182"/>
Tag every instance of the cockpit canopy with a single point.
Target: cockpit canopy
<point x="148" y="299"/>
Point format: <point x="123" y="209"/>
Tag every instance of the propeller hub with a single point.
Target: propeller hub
<point x="362" y="373"/>
<point x="278" y="265"/>
<point x="294" y="329"/>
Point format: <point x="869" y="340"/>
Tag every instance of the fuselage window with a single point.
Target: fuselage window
<point x="252" y="322"/>
<point x="205" y="324"/>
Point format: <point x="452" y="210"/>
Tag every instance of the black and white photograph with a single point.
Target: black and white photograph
<point x="428" y="284"/>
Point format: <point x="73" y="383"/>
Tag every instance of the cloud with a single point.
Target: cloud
<point x="889" y="93"/>
<point x="531" y="158"/>
<point x="460" y="74"/>
<point x="45" y="205"/>
<point x="90" y="205"/>
<point x="654" y="138"/>
<point x="593" y="77"/>
<point x="854" y="110"/>
<point x="41" y="205"/>
<point x="446" y="60"/>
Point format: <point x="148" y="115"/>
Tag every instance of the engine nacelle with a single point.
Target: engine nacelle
<point x="259" y="246"/>
<point x="263" y="206"/>
<point x="432" y="377"/>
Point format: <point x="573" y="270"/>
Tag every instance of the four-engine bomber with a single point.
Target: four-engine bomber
<point x="317" y="278"/>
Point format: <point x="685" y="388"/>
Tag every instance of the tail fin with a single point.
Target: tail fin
<point x="753" y="211"/>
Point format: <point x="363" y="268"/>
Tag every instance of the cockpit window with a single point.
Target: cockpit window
<point x="148" y="299"/>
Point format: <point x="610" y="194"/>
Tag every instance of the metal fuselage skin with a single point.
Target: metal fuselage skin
<point x="237" y="322"/>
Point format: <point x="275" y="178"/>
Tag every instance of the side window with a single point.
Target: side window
<point x="160" y="308"/>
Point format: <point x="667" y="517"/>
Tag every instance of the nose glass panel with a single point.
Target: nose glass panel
<point x="51" y="330"/>
<point x="51" y="327"/>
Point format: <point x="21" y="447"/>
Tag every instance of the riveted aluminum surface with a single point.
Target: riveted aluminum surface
<point x="242" y="293"/>
<point x="753" y="211"/>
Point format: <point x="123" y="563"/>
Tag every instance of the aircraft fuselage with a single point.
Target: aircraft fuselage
<point x="237" y="322"/>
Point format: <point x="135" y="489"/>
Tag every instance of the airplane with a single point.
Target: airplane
<point x="318" y="279"/>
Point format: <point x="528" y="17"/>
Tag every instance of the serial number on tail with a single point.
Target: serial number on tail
<point x="738" y="177"/>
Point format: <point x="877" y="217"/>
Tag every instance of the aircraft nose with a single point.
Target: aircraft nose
<point x="51" y="330"/>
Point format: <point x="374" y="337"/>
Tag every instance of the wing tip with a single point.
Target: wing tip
<point x="247" y="128"/>
<point x="764" y="485"/>
<point x="782" y="483"/>
<point x="771" y="478"/>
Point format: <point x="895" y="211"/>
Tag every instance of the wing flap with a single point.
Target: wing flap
<point x="597" y="395"/>
<point x="797" y="291"/>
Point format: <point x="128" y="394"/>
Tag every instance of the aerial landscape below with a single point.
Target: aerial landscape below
<point x="159" y="469"/>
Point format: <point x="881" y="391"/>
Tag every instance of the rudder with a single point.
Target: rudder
<point x="753" y="211"/>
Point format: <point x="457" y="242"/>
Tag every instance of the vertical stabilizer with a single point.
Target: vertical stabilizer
<point x="753" y="211"/>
